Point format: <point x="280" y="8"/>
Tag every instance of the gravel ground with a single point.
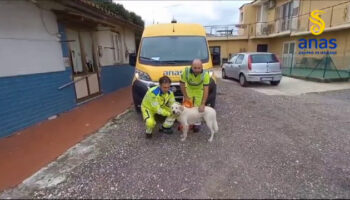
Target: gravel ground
<point x="267" y="147"/>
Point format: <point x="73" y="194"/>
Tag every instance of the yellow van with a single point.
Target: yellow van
<point x="166" y="49"/>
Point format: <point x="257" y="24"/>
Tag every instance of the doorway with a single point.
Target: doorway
<point x="215" y="52"/>
<point x="85" y="70"/>
<point x="288" y="54"/>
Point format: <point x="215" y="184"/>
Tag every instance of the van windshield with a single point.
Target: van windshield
<point x="173" y="50"/>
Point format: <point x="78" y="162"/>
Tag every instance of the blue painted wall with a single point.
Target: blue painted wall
<point x="116" y="77"/>
<point x="28" y="99"/>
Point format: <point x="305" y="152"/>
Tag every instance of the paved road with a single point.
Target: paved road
<point x="267" y="147"/>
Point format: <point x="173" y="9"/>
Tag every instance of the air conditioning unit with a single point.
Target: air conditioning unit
<point x="271" y="4"/>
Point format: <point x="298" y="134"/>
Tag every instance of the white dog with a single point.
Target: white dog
<point x="187" y="116"/>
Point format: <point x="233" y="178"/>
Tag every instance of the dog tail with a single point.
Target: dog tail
<point x="215" y="126"/>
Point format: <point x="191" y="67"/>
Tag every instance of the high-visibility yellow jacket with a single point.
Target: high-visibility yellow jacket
<point x="158" y="102"/>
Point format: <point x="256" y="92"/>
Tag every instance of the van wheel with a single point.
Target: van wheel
<point x="223" y="73"/>
<point x="243" y="81"/>
<point x="275" y="83"/>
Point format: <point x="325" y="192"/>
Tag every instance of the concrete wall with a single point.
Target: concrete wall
<point x="28" y="33"/>
<point x="229" y="47"/>
<point x="115" y="77"/>
<point x="275" y="45"/>
<point x="341" y="59"/>
<point x="28" y="99"/>
<point x="335" y="16"/>
<point x="104" y="40"/>
<point x="32" y="67"/>
<point x="249" y="14"/>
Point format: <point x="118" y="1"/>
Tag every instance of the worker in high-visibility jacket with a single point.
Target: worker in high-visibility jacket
<point x="158" y="100"/>
<point x="194" y="85"/>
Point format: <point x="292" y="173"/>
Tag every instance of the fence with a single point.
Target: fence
<point x="323" y="68"/>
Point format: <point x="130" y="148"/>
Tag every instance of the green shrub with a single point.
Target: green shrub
<point x="119" y="10"/>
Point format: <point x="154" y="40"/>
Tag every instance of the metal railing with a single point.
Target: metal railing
<point x="226" y="30"/>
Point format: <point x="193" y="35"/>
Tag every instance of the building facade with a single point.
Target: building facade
<point x="279" y="26"/>
<point x="56" y="55"/>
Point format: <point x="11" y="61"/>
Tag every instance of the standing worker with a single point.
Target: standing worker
<point x="194" y="85"/>
<point x="158" y="100"/>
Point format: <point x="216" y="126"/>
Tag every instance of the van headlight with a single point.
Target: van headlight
<point x="142" y="75"/>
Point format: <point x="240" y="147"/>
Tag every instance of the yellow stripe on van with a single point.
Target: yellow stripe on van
<point x="155" y="72"/>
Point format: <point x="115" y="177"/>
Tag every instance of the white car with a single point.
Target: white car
<point x="253" y="67"/>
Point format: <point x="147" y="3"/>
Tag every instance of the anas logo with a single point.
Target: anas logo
<point x="318" y="24"/>
<point x="312" y="45"/>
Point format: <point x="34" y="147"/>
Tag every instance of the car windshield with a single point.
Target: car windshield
<point x="172" y="50"/>
<point x="264" y="58"/>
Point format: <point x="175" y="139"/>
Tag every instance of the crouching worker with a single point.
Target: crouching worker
<point x="158" y="100"/>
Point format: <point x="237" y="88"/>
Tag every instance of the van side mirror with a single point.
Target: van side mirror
<point x="132" y="59"/>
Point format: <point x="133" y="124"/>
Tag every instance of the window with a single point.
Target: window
<point x="264" y="58"/>
<point x="239" y="59"/>
<point x="284" y="13"/>
<point x="170" y="50"/>
<point x="233" y="58"/>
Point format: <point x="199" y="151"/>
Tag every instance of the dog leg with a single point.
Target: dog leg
<point x="184" y="132"/>
<point x="211" y="127"/>
<point x="212" y="132"/>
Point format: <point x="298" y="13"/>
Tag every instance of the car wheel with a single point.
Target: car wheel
<point x="275" y="83"/>
<point x="224" y="74"/>
<point x="242" y="80"/>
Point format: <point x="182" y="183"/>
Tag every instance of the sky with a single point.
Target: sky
<point x="202" y="12"/>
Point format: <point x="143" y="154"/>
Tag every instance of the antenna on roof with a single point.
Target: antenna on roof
<point x="173" y="21"/>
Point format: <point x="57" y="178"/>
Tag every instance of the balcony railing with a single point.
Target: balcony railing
<point x="334" y="16"/>
<point x="234" y="30"/>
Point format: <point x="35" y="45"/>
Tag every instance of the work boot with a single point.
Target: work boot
<point x="166" y="130"/>
<point x="196" y="128"/>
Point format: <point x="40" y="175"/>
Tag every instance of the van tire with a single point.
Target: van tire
<point x="243" y="81"/>
<point x="275" y="83"/>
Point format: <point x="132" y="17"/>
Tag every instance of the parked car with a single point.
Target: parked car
<point x="253" y="67"/>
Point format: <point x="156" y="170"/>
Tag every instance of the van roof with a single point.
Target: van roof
<point x="173" y="29"/>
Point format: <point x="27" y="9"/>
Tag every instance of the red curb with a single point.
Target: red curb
<point x="28" y="150"/>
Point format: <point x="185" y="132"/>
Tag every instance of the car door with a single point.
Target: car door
<point x="238" y="64"/>
<point x="229" y="68"/>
